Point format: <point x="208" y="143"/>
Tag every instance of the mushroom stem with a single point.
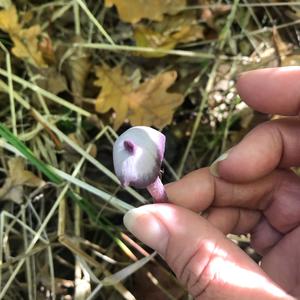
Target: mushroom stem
<point x="157" y="191"/>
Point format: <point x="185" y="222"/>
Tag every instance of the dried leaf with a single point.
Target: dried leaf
<point x="147" y="104"/>
<point x="80" y="66"/>
<point x="291" y="60"/>
<point x="281" y="46"/>
<point x="51" y="80"/>
<point x="134" y="10"/>
<point x="26" y="41"/>
<point x="26" y="46"/>
<point x="151" y="104"/>
<point x="46" y="47"/>
<point x="283" y="50"/>
<point x="146" y="37"/>
<point x="115" y="87"/>
<point x="16" y="179"/>
<point x="210" y="14"/>
<point x="5" y="3"/>
<point x="9" y="20"/>
<point x="182" y="28"/>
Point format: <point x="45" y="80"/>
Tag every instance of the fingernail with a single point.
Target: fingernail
<point x="214" y="166"/>
<point x="148" y="228"/>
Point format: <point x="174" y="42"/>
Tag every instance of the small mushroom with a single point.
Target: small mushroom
<point x="137" y="155"/>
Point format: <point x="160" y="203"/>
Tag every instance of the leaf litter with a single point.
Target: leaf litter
<point x="26" y="40"/>
<point x="165" y="35"/>
<point x="135" y="10"/>
<point x="60" y="82"/>
<point x="17" y="178"/>
<point x="148" y="104"/>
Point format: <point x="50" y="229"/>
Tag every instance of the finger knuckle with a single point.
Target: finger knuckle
<point x="194" y="271"/>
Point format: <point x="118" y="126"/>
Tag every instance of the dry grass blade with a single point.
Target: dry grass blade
<point x="124" y="273"/>
<point x="46" y="94"/>
<point x="76" y="74"/>
<point x="94" y="20"/>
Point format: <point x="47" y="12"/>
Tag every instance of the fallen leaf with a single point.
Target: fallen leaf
<point x="282" y="47"/>
<point x="17" y="178"/>
<point x="151" y="104"/>
<point x="291" y="60"/>
<point x="146" y="37"/>
<point x="210" y="15"/>
<point x="80" y="66"/>
<point x="115" y="89"/>
<point x="148" y="104"/>
<point x="9" y="20"/>
<point x="51" y="80"/>
<point x="283" y="50"/>
<point x="46" y="47"/>
<point x="134" y="10"/>
<point x="184" y="27"/>
<point x="5" y="3"/>
<point x="26" y="41"/>
<point x="165" y="35"/>
<point x="26" y="45"/>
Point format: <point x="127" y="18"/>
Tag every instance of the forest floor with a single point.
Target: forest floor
<point x="76" y="74"/>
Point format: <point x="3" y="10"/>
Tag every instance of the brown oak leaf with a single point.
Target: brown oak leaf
<point x="148" y="104"/>
<point x="165" y="35"/>
<point x="26" y="40"/>
<point x="134" y="10"/>
<point x="17" y="178"/>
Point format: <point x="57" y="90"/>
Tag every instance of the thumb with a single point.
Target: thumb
<point x="204" y="260"/>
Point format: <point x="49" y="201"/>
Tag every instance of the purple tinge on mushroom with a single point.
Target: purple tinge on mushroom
<point x="138" y="154"/>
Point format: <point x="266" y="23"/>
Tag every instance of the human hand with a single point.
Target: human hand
<point x="253" y="191"/>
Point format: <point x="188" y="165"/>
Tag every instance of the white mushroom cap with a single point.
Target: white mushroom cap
<point x="137" y="155"/>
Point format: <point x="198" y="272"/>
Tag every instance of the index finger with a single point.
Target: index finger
<point x="271" y="90"/>
<point x="276" y="196"/>
<point x="199" y="190"/>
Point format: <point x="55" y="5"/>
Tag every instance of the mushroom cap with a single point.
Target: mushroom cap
<point x="137" y="156"/>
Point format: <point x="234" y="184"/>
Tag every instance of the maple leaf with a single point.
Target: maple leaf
<point x="26" y="40"/>
<point x="134" y="10"/>
<point x="147" y="104"/>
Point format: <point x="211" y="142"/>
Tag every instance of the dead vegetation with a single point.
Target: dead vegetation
<point x="74" y="74"/>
